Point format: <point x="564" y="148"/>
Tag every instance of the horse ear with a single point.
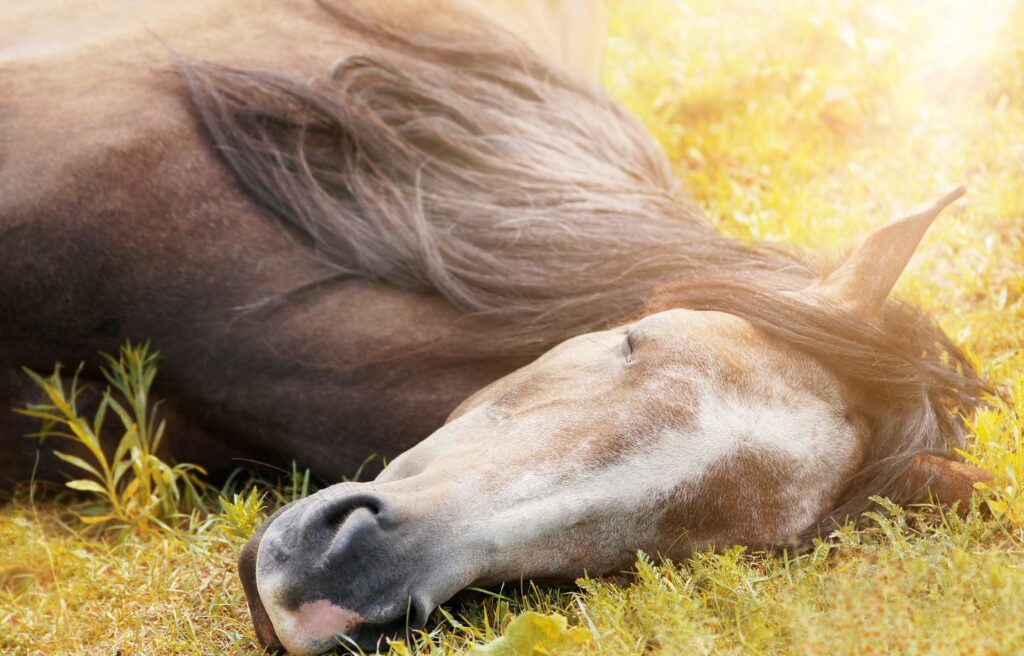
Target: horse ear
<point x="946" y="481"/>
<point x="863" y="282"/>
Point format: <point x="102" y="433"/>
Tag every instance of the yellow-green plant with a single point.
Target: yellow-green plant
<point x="133" y="487"/>
<point x="999" y="446"/>
<point x="240" y="516"/>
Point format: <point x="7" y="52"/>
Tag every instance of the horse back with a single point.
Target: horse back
<point x="108" y="188"/>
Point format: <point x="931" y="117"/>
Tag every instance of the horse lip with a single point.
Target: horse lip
<point x="265" y="633"/>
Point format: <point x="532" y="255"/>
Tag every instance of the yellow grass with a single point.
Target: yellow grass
<point x="802" y="121"/>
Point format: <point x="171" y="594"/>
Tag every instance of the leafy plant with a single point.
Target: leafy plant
<point x="133" y="487"/>
<point x="241" y="515"/>
<point x="999" y="445"/>
<point x="532" y="633"/>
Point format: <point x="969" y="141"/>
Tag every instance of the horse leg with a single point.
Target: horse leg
<point x="946" y="481"/>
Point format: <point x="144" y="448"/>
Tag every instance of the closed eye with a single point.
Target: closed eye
<point x="627" y="347"/>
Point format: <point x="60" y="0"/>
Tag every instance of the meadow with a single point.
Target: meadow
<point x="805" y="122"/>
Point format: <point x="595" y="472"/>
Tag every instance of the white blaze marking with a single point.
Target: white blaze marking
<point x="805" y="434"/>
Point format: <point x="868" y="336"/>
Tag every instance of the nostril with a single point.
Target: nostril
<point x="337" y="512"/>
<point x="357" y="539"/>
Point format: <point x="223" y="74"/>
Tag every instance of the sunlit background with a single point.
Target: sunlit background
<point x="811" y="121"/>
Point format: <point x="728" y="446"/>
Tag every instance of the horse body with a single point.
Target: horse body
<point x="331" y="263"/>
<point x="119" y="221"/>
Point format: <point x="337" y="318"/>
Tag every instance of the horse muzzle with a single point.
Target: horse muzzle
<point x="346" y="567"/>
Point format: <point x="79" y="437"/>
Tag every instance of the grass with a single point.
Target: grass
<point x="803" y="121"/>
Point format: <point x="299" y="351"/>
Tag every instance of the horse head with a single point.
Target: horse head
<point x="686" y="429"/>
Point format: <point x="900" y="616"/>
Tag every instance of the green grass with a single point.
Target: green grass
<point x="808" y="122"/>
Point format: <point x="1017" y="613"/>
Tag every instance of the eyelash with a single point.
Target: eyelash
<point x="627" y="347"/>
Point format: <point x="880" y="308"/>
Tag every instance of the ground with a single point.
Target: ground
<point x="802" y="121"/>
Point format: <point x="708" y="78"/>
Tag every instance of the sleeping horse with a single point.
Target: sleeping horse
<point x="425" y="230"/>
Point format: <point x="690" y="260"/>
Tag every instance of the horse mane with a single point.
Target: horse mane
<point x="453" y="160"/>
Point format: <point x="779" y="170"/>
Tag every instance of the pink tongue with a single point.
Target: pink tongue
<point x="322" y="620"/>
